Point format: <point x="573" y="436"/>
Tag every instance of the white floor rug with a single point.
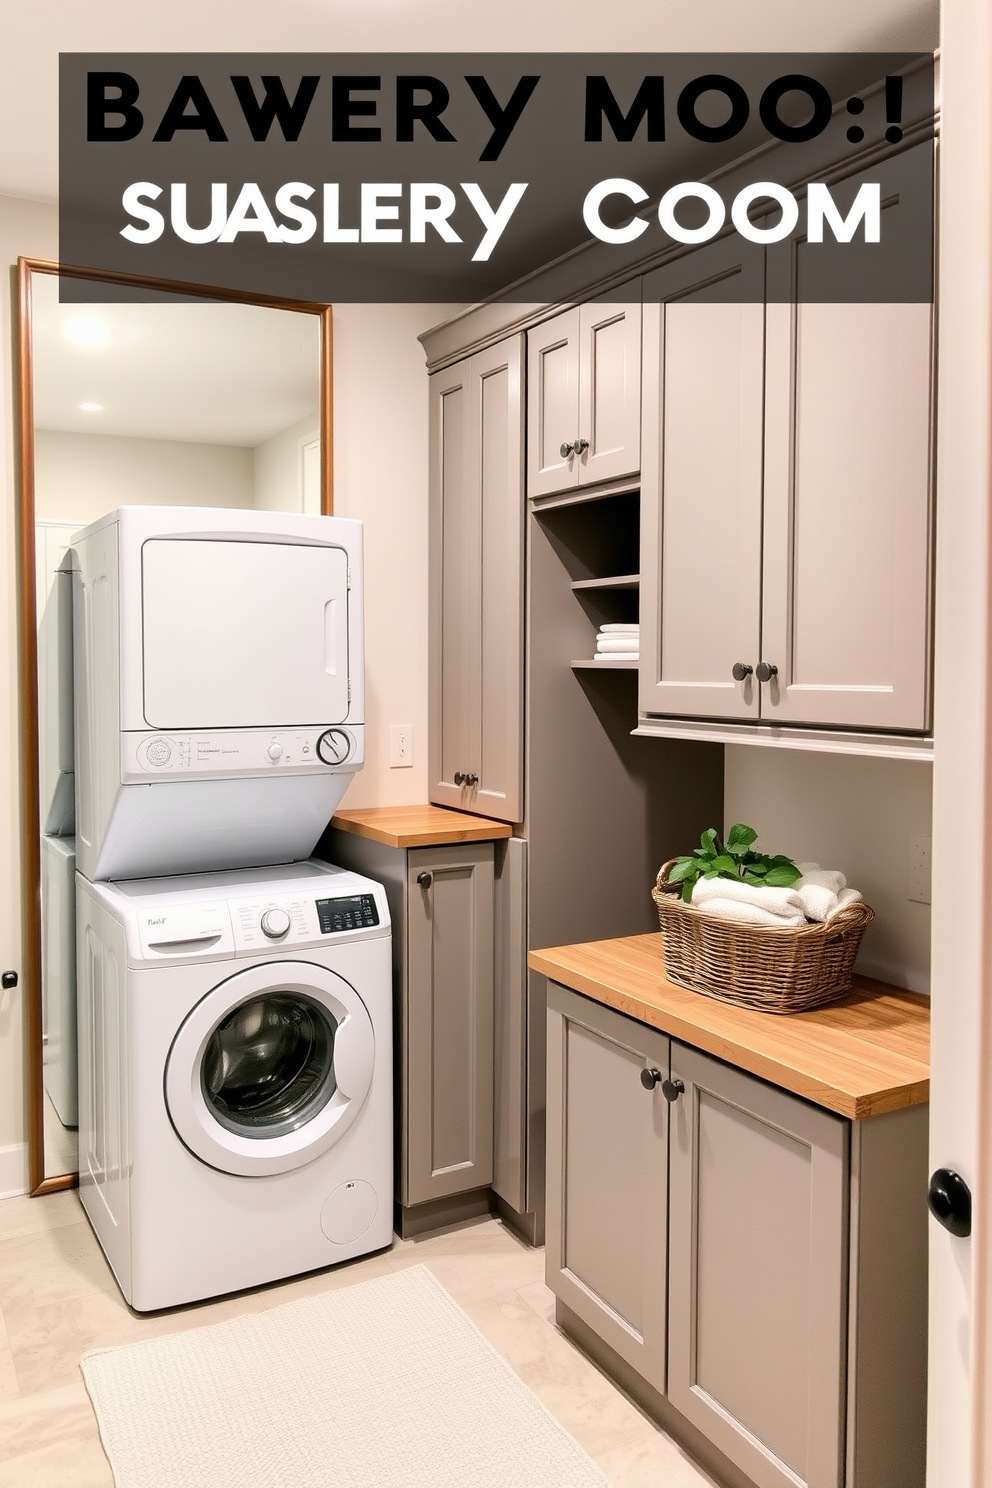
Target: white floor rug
<point x="386" y="1384"/>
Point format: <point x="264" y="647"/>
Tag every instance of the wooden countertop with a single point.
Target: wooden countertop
<point x="419" y="826"/>
<point x="862" y="1056"/>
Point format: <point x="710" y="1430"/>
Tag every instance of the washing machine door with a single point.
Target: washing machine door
<point x="270" y="1068"/>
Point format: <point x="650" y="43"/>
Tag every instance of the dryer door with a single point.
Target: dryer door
<point x="270" y="1068"/>
<point x="243" y="634"/>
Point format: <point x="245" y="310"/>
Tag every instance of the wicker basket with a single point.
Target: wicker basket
<point x="774" y="971"/>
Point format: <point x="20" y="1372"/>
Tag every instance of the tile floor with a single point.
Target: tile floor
<point x="58" y="1299"/>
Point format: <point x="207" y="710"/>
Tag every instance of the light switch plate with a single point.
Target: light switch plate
<point x="400" y="746"/>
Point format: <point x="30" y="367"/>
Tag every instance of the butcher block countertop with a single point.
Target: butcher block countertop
<point x="419" y="826"/>
<point x="862" y="1056"/>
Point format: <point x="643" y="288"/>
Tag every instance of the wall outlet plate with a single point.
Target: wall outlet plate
<point x="919" y="869"/>
<point x="400" y="746"/>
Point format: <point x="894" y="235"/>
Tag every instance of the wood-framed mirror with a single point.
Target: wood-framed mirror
<point x="188" y="395"/>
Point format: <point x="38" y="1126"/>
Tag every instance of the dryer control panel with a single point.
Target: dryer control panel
<point x="240" y="752"/>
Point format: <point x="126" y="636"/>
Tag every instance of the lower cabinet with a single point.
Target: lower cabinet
<point x="756" y="1260"/>
<point x="441" y="903"/>
<point x="446" y="1080"/>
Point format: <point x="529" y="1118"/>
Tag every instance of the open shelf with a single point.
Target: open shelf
<point x="617" y="664"/>
<point x="619" y="581"/>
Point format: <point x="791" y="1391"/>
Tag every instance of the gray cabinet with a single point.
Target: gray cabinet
<point x="446" y="1080"/>
<point x="785" y="495"/>
<point x="476" y="583"/>
<point x="583" y="394"/>
<point x="607" y="1158"/>
<point x="442" y="902"/>
<point x="758" y="1255"/>
<point x="773" y="1252"/>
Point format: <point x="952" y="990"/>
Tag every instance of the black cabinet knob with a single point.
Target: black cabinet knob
<point x="8" y="979"/>
<point x="425" y="880"/>
<point x="949" y="1200"/>
<point x="765" y="671"/>
<point x="650" y="1078"/>
<point x="672" y="1089"/>
<point x="741" y="670"/>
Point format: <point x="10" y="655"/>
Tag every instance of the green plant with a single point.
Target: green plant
<point x="736" y="859"/>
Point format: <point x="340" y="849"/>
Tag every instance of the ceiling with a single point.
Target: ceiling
<point x="35" y="34"/>
<point x="203" y="373"/>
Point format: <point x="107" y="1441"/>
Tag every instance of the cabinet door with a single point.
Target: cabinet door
<point x="448" y="1022"/>
<point x="609" y="391"/>
<point x="476" y="584"/>
<point x="757" y="1273"/>
<point x="701" y="484"/>
<point x="607" y="1176"/>
<point x="553" y="351"/>
<point x="847" y="500"/>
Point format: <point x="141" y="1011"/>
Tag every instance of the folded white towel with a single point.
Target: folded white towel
<point x="617" y="656"/>
<point x="630" y="629"/>
<point x="827" y="878"/>
<point x="750" y="914"/>
<point x="783" y="902"/>
<point x="616" y="643"/>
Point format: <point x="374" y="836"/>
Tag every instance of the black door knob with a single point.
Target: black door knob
<point x="672" y="1089"/>
<point x="650" y="1078"/>
<point x="741" y="670"/>
<point x="765" y="671"/>
<point x="949" y="1200"/>
<point x="9" y="979"/>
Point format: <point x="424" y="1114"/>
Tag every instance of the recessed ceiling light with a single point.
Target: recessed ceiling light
<point x="87" y="330"/>
<point x="91" y="407"/>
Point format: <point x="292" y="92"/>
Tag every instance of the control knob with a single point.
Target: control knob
<point x="333" y="746"/>
<point x="159" y="753"/>
<point x="275" y="923"/>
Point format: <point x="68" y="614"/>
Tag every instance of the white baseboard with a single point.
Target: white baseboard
<point x="13" y="1170"/>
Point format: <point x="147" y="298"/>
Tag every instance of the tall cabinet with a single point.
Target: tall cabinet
<point x="477" y="583"/>
<point x="526" y="726"/>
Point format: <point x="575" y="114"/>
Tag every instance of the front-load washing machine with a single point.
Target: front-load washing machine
<point x="218" y="686"/>
<point x="235" y="1081"/>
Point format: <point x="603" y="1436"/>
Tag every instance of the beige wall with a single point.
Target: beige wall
<point x="277" y="467"/>
<point x="380" y="475"/>
<point x="853" y="814"/>
<point x="79" y="477"/>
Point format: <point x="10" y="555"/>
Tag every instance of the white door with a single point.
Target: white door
<point x="244" y="634"/>
<point x="270" y="1069"/>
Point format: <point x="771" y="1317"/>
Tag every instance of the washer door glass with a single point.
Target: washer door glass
<point x="268" y="1068"/>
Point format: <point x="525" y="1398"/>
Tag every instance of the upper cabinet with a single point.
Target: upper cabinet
<point x="477" y="583"/>
<point x="583" y="400"/>
<point x="785" y="507"/>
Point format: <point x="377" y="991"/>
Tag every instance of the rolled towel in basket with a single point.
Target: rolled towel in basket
<point x="780" y="902"/>
<point x="827" y="878"/>
<point x="750" y="914"/>
<point x="845" y="898"/>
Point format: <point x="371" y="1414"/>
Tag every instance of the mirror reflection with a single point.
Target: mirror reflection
<point x="175" y="402"/>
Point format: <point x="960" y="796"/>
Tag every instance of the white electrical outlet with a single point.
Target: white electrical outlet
<point x="919" y="869"/>
<point x="400" y="745"/>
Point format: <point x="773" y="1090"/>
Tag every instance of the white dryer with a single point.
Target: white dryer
<point x="219" y="686"/>
<point x="235" y="1090"/>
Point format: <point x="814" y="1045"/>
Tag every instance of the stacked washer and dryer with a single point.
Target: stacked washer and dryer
<point x="234" y="998"/>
